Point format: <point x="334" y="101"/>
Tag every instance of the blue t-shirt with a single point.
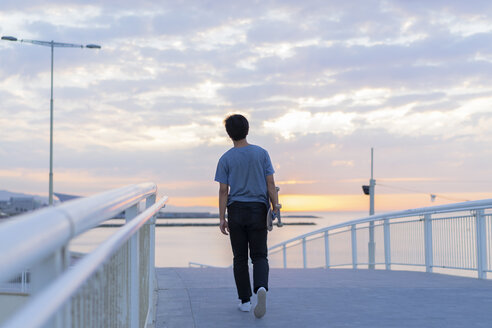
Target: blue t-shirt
<point x="245" y="170"/>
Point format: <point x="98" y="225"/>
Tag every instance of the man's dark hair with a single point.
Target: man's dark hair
<point x="237" y="126"/>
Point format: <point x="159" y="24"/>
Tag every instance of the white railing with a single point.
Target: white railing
<point x="453" y="237"/>
<point x="19" y="284"/>
<point x="112" y="286"/>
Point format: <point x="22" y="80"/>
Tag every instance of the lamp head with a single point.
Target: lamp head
<point x="93" y="46"/>
<point x="9" y="38"/>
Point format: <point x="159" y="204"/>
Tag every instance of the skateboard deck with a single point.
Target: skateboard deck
<point x="273" y="215"/>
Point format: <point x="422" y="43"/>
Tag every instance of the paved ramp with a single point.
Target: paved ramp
<point x="207" y="297"/>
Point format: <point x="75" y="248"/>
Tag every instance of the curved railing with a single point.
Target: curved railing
<point x="455" y="236"/>
<point x="111" y="286"/>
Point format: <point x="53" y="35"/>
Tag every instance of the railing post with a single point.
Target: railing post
<point x="304" y="260"/>
<point x="46" y="271"/>
<point x="24" y="282"/>
<point x="284" y="253"/>
<point x="429" y="259"/>
<point x="354" y="246"/>
<point x="148" y="203"/>
<point x="66" y="312"/>
<point x="371" y="247"/>
<point x="151" y="311"/>
<point x="134" y="271"/>
<point x="481" y="244"/>
<point x="327" y="251"/>
<point x="387" y="245"/>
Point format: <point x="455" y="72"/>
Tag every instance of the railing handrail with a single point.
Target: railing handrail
<point x="33" y="236"/>
<point x="44" y="305"/>
<point x="463" y="206"/>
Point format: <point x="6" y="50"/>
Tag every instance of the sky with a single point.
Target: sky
<point x="321" y="82"/>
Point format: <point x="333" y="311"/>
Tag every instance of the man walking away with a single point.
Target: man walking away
<point x="245" y="175"/>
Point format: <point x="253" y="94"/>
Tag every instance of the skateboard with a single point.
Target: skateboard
<point x="273" y="215"/>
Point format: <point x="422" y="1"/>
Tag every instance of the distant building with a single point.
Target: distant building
<point x="18" y="205"/>
<point x="4" y="204"/>
<point x="23" y="204"/>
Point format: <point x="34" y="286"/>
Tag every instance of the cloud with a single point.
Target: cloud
<point x="321" y="82"/>
<point x="345" y="163"/>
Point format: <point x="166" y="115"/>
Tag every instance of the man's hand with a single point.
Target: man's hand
<point x="223" y="194"/>
<point x="224" y="228"/>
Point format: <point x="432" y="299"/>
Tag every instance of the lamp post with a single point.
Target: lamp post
<point x="372" y="244"/>
<point x="52" y="45"/>
<point x="369" y="190"/>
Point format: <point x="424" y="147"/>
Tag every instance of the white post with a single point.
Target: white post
<point x="354" y="246"/>
<point x="327" y="251"/>
<point x="65" y="314"/>
<point x="24" y="282"/>
<point x="149" y="202"/>
<point x="481" y="244"/>
<point x="284" y="253"/>
<point x="304" y="260"/>
<point x="429" y="259"/>
<point x="372" y="183"/>
<point x="371" y="245"/>
<point x="45" y="272"/>
<point x="50" y="195"/>
<point x="134" y="271"/>
<point x="387" y="245"/>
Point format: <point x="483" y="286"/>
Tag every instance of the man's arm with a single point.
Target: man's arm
<point x="223" y="194"/>
<point x="272" y="192"/>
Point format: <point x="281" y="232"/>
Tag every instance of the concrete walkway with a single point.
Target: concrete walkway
<point x="199" y="298"/>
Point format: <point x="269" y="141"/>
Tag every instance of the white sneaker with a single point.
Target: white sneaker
<point x="245" y="307"/>
<point x="260" y="307"/>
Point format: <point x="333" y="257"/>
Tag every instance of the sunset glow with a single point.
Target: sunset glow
<point x="321" y="83"/>
<point x="344" y="203"/>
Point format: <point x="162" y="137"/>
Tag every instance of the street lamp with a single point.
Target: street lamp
<point x="369" y="190"/>
<point x="52" y="44"/>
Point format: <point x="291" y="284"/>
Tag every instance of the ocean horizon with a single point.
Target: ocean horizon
<point x="177" y="246"/>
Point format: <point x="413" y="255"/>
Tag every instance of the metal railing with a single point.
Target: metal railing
<point x="19" y="284"/>
<point x="112" y="286"/>
<point x="454" y="237"/>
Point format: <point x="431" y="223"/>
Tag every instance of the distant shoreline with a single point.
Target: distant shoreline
<point x="206" y="215"/>
<point x="301" y="216"/>
<point x="204" y="224"/>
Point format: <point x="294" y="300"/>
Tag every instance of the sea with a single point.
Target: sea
<point x="179" y="246"/>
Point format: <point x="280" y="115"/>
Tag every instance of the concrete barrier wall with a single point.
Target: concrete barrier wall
<point x="9" y="303"/>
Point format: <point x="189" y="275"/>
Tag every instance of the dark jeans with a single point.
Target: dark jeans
<point x="247" y="227"/>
